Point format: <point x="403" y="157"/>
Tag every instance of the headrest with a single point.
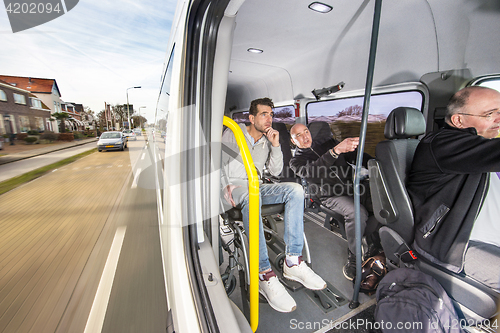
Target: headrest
<point x="320" y="131"/>
<point x="403" y="123"/>
<point x="284" y="136"/>
<point x="280" y="127"/>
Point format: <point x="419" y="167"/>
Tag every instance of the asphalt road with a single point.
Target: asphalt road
<point x="80" y="249"/>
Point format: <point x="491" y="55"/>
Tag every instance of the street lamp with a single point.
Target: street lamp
<point x="128" y="105"/>
<point x="140" y="116"/>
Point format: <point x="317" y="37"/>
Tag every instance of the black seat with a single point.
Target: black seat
<point x="320" y="131"/>
<point x="393" y="208"/>
<point x="266" y="210"/>
<point x="286" y="174"/>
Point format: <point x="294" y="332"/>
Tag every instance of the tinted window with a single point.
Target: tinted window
<point x="282" y="114"/>
<point x="163" y="101"/>
<point x="344" y="115"/>
<point x="491" y="83"/>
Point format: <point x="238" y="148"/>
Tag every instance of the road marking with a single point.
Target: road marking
<point x="134" y="182"/>
<point x="120" y="166"/>
<point x="143" y="155"/>
<point x="100" y="305"/>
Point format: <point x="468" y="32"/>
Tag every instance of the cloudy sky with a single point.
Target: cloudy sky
<point x="95" y="51"/>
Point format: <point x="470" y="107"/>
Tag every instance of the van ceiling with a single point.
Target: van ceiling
<point x="305" y="50"/>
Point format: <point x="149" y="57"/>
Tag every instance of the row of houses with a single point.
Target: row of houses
<point x="27" y="103"/>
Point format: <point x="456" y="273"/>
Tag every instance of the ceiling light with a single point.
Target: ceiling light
<point x="252" y="50"/>
<point x="320" y="7"/>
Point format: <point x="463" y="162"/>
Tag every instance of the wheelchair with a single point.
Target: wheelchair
<point x="234" y="241"/>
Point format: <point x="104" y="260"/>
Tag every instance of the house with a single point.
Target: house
<point x="44" y="89"/>
<point x="74" y="122"/>
<point x="21" y="111"/>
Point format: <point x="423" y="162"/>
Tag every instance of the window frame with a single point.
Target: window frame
<point x="417" y="87"/>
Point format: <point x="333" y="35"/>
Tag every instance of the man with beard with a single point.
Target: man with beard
<point x="264" y="146"/>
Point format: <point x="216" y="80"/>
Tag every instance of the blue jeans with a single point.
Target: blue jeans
<point x="292" y="195"/>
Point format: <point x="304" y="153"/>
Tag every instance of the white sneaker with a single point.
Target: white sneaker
<point x="275" y="294"/>
<point x="303" y="274"/>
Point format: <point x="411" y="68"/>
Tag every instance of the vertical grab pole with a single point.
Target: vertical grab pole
<point x="253" y="232"/>
<point x="359" y="158"/>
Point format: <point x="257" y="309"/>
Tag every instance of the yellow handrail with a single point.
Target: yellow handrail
<point x="253" y="232"/>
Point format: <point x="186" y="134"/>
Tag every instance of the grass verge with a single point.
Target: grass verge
<point x="12" y="183"/>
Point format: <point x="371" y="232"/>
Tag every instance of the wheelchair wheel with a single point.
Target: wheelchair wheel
<point x="229" y="284"/>
<point x="279" y="262"/>
<point x="270" y="238"/>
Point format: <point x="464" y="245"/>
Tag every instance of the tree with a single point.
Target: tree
<point x="138" y="120"/>
<point x="284" y="113"/>
<point x="61" y="116"/>
<point x="101" y="116"/>
<point x="354" y="110"/>
<point x="120" y="112"/>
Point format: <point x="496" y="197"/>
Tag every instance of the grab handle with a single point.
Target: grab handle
<point x="253" y="230"/>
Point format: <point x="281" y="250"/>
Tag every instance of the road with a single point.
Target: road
<point x="80" y="251"/>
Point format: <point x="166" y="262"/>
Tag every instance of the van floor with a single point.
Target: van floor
<point x="328" y="255"/>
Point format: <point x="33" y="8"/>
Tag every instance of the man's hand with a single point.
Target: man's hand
<point x="228" y="194"/>
<point x="349" y="144"/>
<point x="273" y="136"/>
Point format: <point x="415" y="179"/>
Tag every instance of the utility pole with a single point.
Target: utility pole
<point x="106" y="114"/>
<point x="128" y="105"/>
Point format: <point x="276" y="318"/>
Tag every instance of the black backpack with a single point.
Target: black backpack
<point x="412" y="301"/>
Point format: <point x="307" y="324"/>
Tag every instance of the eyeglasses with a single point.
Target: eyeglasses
<point x="487" y="116"/>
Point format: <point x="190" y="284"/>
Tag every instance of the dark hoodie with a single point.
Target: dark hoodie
<point x="447" y="185"/>
<point x="331" y="176"/>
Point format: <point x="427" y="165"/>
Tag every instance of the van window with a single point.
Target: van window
<point x="162" y="107"/>
<point x="282" y="114"/>
<point x="493" y="83"/>
<point x="344" y="115"/>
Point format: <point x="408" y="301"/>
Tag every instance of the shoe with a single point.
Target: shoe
<point x="372" y="250"/>
<point x="349" y="269"/>
<point x="275" y="294"/>
<point x="303" y="274"/>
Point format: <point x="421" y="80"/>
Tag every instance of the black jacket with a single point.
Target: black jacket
<point x="448" y="181"/>
<point x="331" y="176"/>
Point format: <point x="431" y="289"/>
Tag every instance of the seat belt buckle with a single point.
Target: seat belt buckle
<point x="408" y="256"/>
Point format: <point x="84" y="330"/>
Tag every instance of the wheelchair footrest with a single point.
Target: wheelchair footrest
<point x="327" y="299"/>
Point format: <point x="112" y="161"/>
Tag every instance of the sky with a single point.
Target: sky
<point x="95" y="51"/>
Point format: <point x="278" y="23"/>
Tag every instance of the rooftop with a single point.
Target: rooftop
<point x="33" y="84"/>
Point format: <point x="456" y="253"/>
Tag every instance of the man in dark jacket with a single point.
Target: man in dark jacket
<point x="328" y="168"/>
<point x="455" y="189"/>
